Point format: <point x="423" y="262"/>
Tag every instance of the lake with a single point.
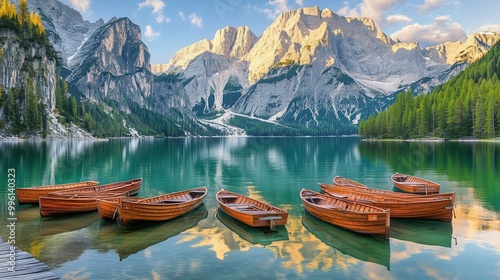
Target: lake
<point x="207" y="244"/>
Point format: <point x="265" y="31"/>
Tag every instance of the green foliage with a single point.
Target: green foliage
<point x="22" y="110"/>
<point x="467" y="105"/>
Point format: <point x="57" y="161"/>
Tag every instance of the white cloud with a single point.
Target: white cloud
<point x="157" y="6"/>
<point x="429" y="5"/>
<point x="196" y="21"/>
<point x="276" y="8"/>
<point x="83" y="6"/>
<point x="441" y="30"/>
<point x="489" y="27"/>
<point x="348" y="12"/>
<point x="397" y="19"/>
<point x="376" y="10"/>
<point x="150" y="33"/>
<point x="183" y="17"/>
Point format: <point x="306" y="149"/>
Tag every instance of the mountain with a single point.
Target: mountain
<point x="65" y="26"/>
<point x="113" y="63"/>
<point x="108" y="65"/>
<point x="311" y="70"/>
<point x="213" y="69"/>
<point x="314" y="68"/>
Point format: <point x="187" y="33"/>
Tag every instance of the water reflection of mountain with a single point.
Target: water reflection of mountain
<point x="65" y="223"/>
<point x="129" y="241"/>
<point x="473" y="165"/>
<point x="432" y="233"/>
<point x="362" y="247"/>
<point x="250" y="234"/>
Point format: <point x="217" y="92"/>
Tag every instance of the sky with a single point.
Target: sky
<point x="169" y="25"/>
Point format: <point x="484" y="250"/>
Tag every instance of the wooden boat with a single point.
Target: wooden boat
<point x="129" y="187"/>
<point x="438" y="208"/>
<point x="56" y="204"/>
<point x="253" y="235"/>
<point x="108" y="207"/>
<point x="250" y="211"/>
<point x="160" y="208"/>
<point x="358" y="187"/>
<point x="367" y="248"/>
<point x="412" y="184"/>
<point x="32" y="194"/>
<point x="351" y="215"/>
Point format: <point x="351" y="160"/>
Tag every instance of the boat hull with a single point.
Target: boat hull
<point x="440" y="209"/>
<point x="65" y="204"/>
<point x="160" y="208"/>
<point x="108" y="207"/>
<point x="415" y="185"/>
<point x="32" y="195"/>
<point x="129" y="187"/>
<point x="347" y="214"/>
<point x="391" y="194"/>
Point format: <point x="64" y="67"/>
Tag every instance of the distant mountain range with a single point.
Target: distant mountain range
<point x="312" y="71"/>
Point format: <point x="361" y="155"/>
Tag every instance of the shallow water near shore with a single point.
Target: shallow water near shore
<point x="206" y="244"/>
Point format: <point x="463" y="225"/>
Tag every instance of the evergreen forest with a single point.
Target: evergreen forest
<point x="467" y="106"/>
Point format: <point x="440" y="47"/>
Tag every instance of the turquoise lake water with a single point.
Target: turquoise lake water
<point x="208" y="244"/>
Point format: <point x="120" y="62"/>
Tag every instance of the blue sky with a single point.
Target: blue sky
<point x="169" y="25"/>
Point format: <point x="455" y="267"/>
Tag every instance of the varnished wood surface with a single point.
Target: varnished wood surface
<point x="347" y="214"/>
<point x="436" y="208"/>
<point x="250" y="211"/>
<point x="32" y="194"/>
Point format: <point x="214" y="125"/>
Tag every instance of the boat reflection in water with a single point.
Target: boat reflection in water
<point x="433" y="233"/>
<point x="254" y="235"/>
<point x="66" y="223"/>
<point x="131" y="240"/>
<point x="368" y="248"/>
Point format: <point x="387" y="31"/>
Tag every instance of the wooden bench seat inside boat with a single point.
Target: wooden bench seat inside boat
<point x="240" y="205"/>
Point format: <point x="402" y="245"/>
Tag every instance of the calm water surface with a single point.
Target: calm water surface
<point x="207" y="244"/>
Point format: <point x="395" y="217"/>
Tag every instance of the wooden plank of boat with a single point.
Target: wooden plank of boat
<point x="160" y="208"/>
<point x="413" y="184"/>
<point x="351" y="215"/>
<point x="129" y="187"/>
<point x="250" y="211"/>
<point x="342" y="181"/>
<point x="410" y="196"/>
<point x="440" y="209"/>
<point x="108" y="207"/>
<point x="55" y="204"/>
<point x="32" y="194"/>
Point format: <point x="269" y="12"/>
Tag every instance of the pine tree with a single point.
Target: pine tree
<point x="23" y="17"/>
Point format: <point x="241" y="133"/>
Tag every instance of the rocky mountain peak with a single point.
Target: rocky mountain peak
<point x="115" y="47"/>
<point x="475" y="47"/>
<point x="232" y="43"/>
<point x="66" y="29"/>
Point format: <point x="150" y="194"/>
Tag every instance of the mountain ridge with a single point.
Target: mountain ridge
<point x="310" y="69"/>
